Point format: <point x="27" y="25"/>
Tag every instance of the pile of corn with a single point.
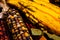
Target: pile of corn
<point x="28" y="19"/>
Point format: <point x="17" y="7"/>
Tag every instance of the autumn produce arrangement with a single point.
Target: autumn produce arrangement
<point x="31" y="19"/>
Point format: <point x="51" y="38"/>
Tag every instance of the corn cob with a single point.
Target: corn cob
<point x="42" y="13"/>
<point x="3" y="34"/>
<point x="17" y="26"/>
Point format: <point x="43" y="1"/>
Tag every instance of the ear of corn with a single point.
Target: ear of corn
<point x="17" y="26"/>
<point x="44" y="12"/>
<point x="3" y="31"/>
